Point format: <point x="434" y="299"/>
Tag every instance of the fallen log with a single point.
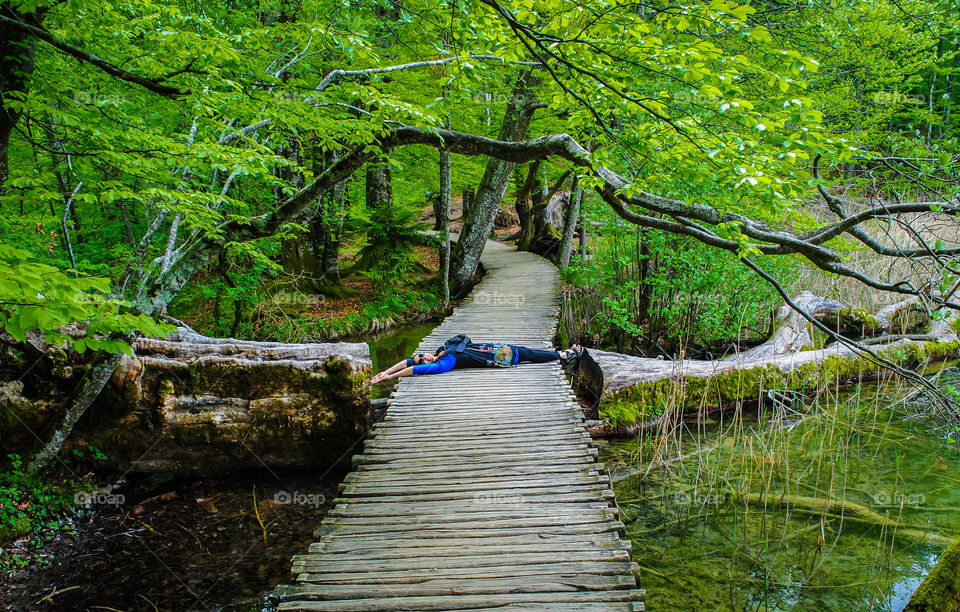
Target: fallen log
<point x="193" y="404"/>
<point x="633" y="393"/>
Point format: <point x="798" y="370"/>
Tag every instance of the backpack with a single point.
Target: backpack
<point x="469" y="354"/>
<point x="456" y="344"/>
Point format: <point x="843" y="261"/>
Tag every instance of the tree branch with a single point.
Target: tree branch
<point x="85" y="56"/>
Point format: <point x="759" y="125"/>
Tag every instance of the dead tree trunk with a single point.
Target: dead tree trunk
<point x="193" y="404"/>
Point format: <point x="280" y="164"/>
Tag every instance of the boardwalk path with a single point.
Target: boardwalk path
<point x="480" y="490"/>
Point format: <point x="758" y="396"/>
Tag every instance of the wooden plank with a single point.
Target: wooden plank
<point x="298" y="598"/>
<point x="317" y="563"/>
<point x="611" y="568"/>
<point x="386" y="551"/>
<point x="466" y="586"/>
<point x="427" y="532"/>
<point x="478" y="473"/>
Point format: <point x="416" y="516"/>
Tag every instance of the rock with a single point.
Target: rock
<point x="506" y="218"/>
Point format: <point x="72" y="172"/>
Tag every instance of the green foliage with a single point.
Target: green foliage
<point x="40" y="297"/>
<point x="29" y="506"/>
<point x="660" y="290"/>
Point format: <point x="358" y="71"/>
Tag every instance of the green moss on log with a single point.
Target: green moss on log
<point x="940" y="591"/>
<point x="730" y="387"/>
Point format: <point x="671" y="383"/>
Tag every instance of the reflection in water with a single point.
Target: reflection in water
<point x="846" y="508"/>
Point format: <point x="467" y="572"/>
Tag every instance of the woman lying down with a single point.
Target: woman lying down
<point x="460" y="352"/>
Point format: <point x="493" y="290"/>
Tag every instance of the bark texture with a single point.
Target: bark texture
<point x="16" y="67"/>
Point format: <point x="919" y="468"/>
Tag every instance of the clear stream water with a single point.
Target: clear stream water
<point x="702" y="546"/>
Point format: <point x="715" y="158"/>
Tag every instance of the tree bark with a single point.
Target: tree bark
<point x="545" y="239"/>
<point x="379" y="191"/>
<point x="193" y="404"/>
<point x="16" y="68"/>
<point x="333" y="218"/>
<point x="524" y="207"/>
<point x="443" y="220"/>
<point x="479" y="222"/>
<point x="92" y="383"/>
<point x="466" y="203"/>
<point x="940" y="590"/>
<point x="570" y="224"/>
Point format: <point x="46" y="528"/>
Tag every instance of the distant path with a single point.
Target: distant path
<point x="480" y="490"/>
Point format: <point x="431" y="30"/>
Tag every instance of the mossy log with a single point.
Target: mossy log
<point x="193" y="404"/>
<point x="632" y="391"/>
<point x="940" y="590"/>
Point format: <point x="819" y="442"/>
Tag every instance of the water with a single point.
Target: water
<point x="389" y="347"/>
<point x="703" y="543"/>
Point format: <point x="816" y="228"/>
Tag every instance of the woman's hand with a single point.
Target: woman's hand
<point x="379" y="377"/>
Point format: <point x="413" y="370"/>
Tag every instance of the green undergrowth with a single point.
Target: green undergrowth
<point x="400" y="307"/>
<point x="32" y="509"/>
<point x="651" y="399"/>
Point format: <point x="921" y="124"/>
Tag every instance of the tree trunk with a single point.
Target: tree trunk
<point x="92" y="383"/>
<point x="940" y="590"/>
<point x="193" y="404"/>
<point x="524" y="212"/>
<point x="467" y="203"/>
<point x="379" y="191"/>
<point x="570" y="224"/>
<point x="549" y="207"/>
<point x="479" y="223"/>
<point x="443" y="220"/>
<point x="16" y="67"/>
<point x="334" y="215"/>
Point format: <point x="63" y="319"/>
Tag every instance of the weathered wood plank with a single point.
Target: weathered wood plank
<point x="612" y="568"/>
<point x="298" y="598"/>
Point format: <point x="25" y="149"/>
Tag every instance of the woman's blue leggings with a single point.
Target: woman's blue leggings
<point x="535" y="355"/>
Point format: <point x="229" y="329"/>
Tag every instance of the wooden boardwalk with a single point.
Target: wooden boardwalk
<point x="480" y="490"/>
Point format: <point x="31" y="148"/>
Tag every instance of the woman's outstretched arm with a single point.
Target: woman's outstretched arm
<point x="397" y="370"/>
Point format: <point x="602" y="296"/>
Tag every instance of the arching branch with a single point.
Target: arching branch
<point x="153" y="85"/>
